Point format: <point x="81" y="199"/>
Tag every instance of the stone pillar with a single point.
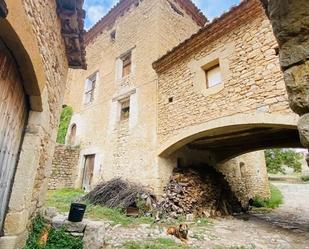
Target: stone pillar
<point x="290" y="23"/>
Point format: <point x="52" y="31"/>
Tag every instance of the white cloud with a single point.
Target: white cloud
<point x="95" y="13"/>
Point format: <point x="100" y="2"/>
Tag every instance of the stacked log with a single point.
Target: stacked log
<point x="198" y="192"/>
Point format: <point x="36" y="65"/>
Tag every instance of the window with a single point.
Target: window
<point x="125" y="109"/>
<point x="213" y="76"/>
<point x="126" y="64"/>
<point x="113" y="36"/>
<point x="72" y="136"/>
<point x="89" y="89"/>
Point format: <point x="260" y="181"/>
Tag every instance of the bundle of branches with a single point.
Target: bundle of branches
<point x="118" y="193"/>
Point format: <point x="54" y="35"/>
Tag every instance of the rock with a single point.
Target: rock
<point x="303" y="127"/>
<point x="49" y="213"/>
<point x="58" y="221"/>
<point x="94" y="236"/>
<point x="74" y="227"/>
<point x="297" y="83"/>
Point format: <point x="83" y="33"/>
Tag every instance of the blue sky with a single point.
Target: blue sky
<point x="98" y="8"/>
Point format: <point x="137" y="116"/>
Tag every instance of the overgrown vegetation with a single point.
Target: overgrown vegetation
<point x="65" y="120"/>
<point x="62" y="199"/>
<point x="273" y="202"/>
<point x="278" y="159"/>
<point x="160" y="243"/>
<point x="305" y="178"/>
<point x="56" y="239"/>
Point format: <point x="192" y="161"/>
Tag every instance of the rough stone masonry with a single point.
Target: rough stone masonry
<point x="290" y="23"/>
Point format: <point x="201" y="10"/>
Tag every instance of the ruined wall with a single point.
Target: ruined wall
<point x="64" y="167"/>
<point x="34" y="166"/>
<point x="253" y="81"/>
<point x="125" y="148"/>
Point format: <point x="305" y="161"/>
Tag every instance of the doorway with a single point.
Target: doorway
<point x="88" y="172"/>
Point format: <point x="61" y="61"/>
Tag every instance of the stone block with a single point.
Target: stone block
<point x="94" y="236"/>
<point x="16" y="223"/>
<point x="297" y="83"/>
<point x="8" y="242"/>
<point x="58" y="221"/>
<point x="303" y="127"/>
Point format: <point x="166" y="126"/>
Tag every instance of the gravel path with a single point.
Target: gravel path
<point x="285" y="228"/>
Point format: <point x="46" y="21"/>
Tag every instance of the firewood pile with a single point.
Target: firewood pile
<point x="202" y="193"/>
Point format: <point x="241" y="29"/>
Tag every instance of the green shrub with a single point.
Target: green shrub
<point x="57" y="238"/>
<point x="278" y="159"/>
<point x="65" y="120"/>
<point x="273" y="202"/>
<point x="305" y="178"/>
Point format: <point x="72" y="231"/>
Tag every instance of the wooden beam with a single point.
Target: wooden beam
<point x="3" y="9"/>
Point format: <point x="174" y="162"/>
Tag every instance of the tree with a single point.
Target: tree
<point x="278" y="159"/>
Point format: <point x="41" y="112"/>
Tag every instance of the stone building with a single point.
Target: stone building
<point x="39" y="41"/>
<point x="138" y="123"/>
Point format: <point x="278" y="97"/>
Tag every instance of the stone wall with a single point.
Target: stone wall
<point x="253" y="81"/>
<point x="39" y="22"/>
<point x="247" y="176"/>
<point x="64" y="167"/>
<point x="127" y="149"/>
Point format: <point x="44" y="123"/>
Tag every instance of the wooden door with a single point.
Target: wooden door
<point x="13" y="116"/>
<point x="88" y="171"/>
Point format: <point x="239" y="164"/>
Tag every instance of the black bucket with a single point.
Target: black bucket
<point x="77" y="212"/>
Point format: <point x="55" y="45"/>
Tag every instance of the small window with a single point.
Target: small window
<point x="213" y="76"/>
<point x="125" y="109"/>
<point x="126" y="64"/>
<point x="113" y="35"/>
<point x="90" y="86"/>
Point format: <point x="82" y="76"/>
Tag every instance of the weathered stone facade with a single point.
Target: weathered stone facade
<point x="64" y="167"/>
<point x="291" y="28"/>
<point x="32" y="30"/>
<point x="198" y="124"/>
<point x="125" y="148"/>
<point x="164" y="112"/>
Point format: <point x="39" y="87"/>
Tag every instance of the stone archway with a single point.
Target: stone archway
<point x="269" y="130"/>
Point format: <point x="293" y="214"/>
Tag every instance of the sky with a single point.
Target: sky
<point x="96" y="9"/>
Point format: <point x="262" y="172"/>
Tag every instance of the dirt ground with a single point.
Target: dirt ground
<point x="286" y="227"/>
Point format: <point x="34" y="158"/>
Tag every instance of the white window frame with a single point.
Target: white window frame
<point x="92" y="79"/>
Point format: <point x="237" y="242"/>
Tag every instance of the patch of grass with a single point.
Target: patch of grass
<point x="305" y="178"/>
<point x="61" y="199"/>
<point x="57" y="238"/>
<point x="273" y="202"/>
<point x="160" y="243"/>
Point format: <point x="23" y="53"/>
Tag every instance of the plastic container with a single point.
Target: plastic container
<point x="77" y="212"/>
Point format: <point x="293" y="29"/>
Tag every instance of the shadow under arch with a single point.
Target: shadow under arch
<point x="17" y="34"/>
<point x="231" y="136"/>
